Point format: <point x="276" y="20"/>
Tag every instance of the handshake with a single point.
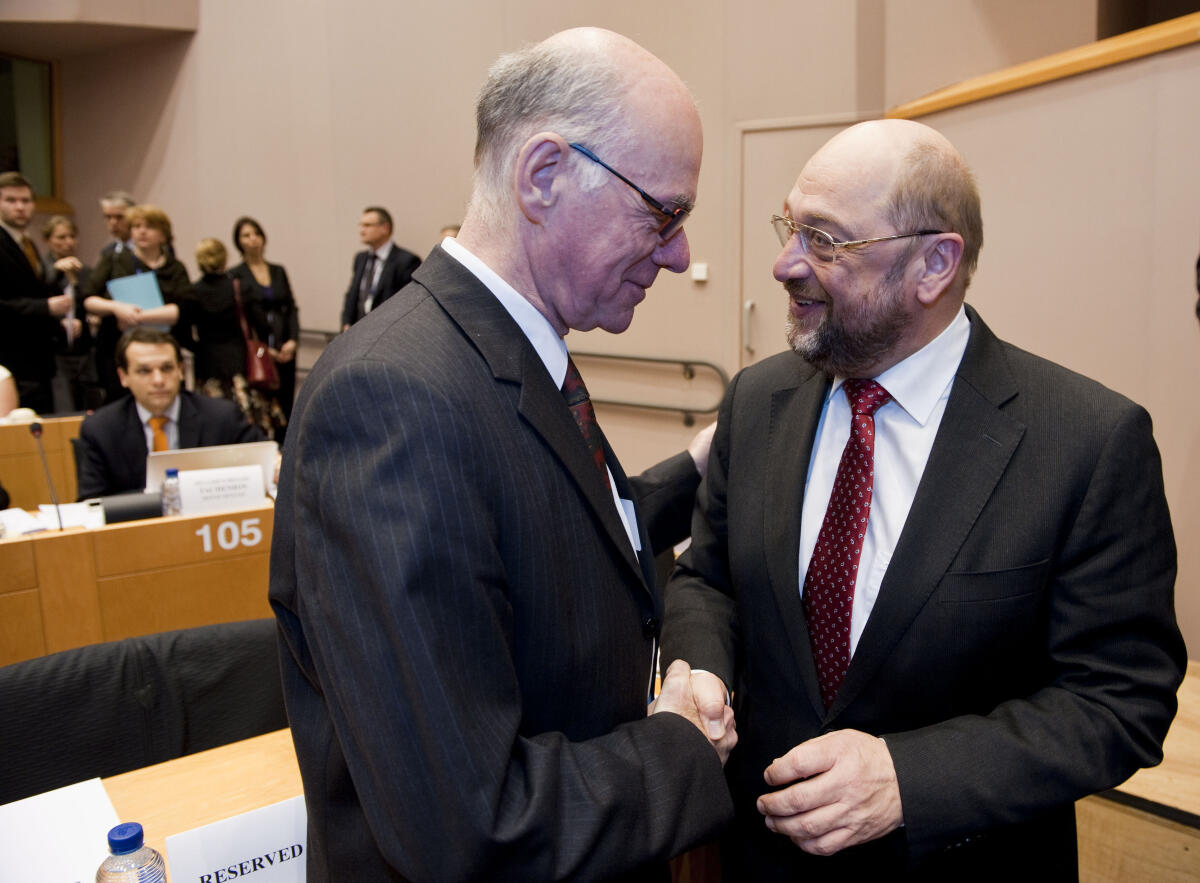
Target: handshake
<point x="699" y="697"/>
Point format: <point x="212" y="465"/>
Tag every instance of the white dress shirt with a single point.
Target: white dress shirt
<point x="905" y="429"/>
<point x="551" y="349"/>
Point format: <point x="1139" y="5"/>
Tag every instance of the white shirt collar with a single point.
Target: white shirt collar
<point x="551" y="348"/>
<point x="383" y="251"/>
<point x="918" y="382"/>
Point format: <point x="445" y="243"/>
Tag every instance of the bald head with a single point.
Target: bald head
<point x="910" y="174"/>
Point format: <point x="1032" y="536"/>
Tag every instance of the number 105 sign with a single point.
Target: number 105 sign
<point x="231" y="534"/>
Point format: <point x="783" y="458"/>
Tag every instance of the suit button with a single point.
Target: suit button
<point x="651" y="627"/>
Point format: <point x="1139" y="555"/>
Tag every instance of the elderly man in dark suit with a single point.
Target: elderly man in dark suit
<point x="157" y="416"/>
<point x="30" y="315"/>
<point x="380" y="271"/>
<point x="935" y="572"/>
<point x="461" y="570"/>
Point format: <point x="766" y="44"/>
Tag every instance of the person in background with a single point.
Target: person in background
<point x="935" y="572"/>
<point x="113" y="206"/>
<point x="76" y="383"/>
<point x="450" y="230"/>
<point x="150" y="234"/>
<point x="210" y="322"/>
<point x="158" y="415"/>
<point x="462" y="572"/>
<point x="268" y="293"/>
<point x="30" y="316"/>
<point x="380" y="271"/>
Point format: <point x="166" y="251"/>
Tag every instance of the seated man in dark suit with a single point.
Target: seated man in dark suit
<point x="380" y="271"/>
<point x="157" y="416"/>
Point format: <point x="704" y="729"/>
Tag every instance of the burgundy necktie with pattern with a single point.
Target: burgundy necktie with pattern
<point x="580" y="404"/>
<point x="829" y="583"/>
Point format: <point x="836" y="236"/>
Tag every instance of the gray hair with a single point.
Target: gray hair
<point x="577" y="93"/>
<point x="118" y="197"/>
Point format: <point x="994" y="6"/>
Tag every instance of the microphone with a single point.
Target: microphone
<point x="35" y="429"/>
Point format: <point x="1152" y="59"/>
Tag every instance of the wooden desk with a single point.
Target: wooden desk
<point x="66" y="589"/>
<point x="21" y="470"/>
<point x="1149" y="827"/>
<point x="199" y="789"/>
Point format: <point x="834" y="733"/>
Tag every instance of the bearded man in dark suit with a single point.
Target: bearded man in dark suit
<point x="461" y="570"/>
<point x="949" y="616"/>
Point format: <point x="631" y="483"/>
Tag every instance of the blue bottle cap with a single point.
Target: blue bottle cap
<point x="172" y="473"/>
<point x="125" y="838"/>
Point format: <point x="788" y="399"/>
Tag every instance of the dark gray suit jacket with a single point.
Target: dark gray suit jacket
<point x="1023" y="650"/>
<point x="466" y="630"/>
<point x="396" y="273"/>
<point x="111" y="451"/>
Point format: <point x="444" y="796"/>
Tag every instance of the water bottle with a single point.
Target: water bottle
<point x="130" y="862"/>
<point x="171" y="502"/>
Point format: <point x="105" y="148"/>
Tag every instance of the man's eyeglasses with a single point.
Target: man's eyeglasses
<point x="824" y="247"/>
<point x="674" y="216"/>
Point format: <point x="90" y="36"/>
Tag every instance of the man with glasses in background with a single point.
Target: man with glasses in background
<point x="380" y="271"/>
<point x="935" y="572"/>
<point x="461" y="570"/>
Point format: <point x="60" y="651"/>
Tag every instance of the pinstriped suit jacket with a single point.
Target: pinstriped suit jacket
<point x="466" y="631"/>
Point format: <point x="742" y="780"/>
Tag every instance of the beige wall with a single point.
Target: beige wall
<point x="303" y="113"/>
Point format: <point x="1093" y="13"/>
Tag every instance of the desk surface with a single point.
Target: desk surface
<point x="202" y="788"/>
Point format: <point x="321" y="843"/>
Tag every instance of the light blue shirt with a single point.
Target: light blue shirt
<point x="171" y="430"/>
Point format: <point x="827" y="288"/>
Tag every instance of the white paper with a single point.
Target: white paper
<point x="220" y="490"/>
<point x="18" y="521"/>
<point x="58" y="837"/>
<point x="73" y="515"/>
<point x="270" y="843"/>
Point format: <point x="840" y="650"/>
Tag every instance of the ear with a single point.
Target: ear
<point x="123" y="377"/>
<point x="540" y="163"/>
<point x="941" y="260"/>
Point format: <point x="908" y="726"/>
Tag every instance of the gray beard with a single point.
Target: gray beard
<point x="850" y="352"/>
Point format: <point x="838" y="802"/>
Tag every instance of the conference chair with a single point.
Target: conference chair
<point x="108" y="708"/>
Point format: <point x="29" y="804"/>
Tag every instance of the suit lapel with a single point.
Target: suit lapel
<point x="513" y="359"/>
<point x="795" y="412"/>
<point x="189" y="422"/>
<point x="973" y="447"/>
<point x="134" y="443"/>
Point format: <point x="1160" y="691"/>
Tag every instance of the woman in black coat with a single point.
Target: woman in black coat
<point x="266" y="290"/>
<point x="213" y="332"/>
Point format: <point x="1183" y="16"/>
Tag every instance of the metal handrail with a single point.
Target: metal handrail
<point x="687" y="366"/>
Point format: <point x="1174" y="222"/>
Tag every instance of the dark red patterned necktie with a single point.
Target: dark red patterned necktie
<point x="580" y="404"/>
<point x="829" y="583"/>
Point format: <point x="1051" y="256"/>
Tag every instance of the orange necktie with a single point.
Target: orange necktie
<point x="157" y="425"/>
<point x="31" y="254"/>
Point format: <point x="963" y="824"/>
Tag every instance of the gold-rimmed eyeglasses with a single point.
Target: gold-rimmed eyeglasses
<point x="824" y="247"/>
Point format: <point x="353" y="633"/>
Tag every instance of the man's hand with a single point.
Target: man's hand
<point x="59" y="304"/>
<point x="849" y="793"/>
<point x="677" y="696"/>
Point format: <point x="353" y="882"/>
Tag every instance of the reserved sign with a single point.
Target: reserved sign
<point x="265" y="845"/>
